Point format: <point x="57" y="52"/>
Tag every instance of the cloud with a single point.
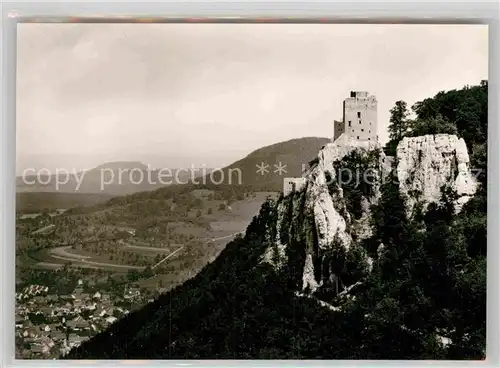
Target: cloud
<point x="110" y="91"/>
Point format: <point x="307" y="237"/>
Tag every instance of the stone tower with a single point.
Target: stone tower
<point x="360" y="117"/>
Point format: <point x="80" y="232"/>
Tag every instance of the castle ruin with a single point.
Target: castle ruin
<point x="359" y="117"/>
<point x="359" y="122"/>
<point x="291" y="185"/>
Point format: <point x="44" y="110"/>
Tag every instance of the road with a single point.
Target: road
<point x="153" y="249"/>
<point x="208" y="241"/>
<point x="102" y="264"/>
<point x="81" y="264"/>
<point x="45" y="228"/>
<point x="64" y="252"/>
<point x="224" y="237"/>
<point x="167" y="257"/>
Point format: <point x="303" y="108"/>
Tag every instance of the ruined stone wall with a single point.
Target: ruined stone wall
<point x="338" y="129"/>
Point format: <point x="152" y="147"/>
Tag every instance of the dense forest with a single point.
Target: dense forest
<point x="425" y="297"/>
<point x="462" y="112"/>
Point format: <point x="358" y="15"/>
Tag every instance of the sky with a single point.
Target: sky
<point x="176" y="95"/>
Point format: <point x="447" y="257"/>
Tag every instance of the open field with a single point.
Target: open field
<point x="175" y="246"/>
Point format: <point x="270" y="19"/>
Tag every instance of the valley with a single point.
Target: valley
<point x="103" y="248"/>
<point x="209" y="231"/>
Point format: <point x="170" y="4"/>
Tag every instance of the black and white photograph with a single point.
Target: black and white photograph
<point x="273" y="191"/>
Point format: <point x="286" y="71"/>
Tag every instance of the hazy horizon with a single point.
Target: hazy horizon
<point x="172" y="95"/>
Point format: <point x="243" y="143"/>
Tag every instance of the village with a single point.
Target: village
<point x="49" y="325"/>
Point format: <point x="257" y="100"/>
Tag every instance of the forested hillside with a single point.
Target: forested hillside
<point x="422" y="295"/>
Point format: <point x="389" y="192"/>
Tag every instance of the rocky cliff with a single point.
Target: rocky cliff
<point x="324" y="224"/>
<point x="427" y="163"/>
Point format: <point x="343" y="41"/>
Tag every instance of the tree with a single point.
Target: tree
<point x="399" y="124"/>
<point x="132" y="275"/>
<point x="148" y="272"/>
<point x="433" y="125"/>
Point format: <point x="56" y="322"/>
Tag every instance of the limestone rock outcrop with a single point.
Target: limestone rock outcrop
<point x="428" y="163"/>
<point x="316" y="220"/>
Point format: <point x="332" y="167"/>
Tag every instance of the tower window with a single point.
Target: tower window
<point x="362" y="130"/>
<point x="349" y="123"/>
<point x="357" y="137"/>
<point x="368" y="138"/>
<point x="360" y="121"/>
<point x="359" y="115"/>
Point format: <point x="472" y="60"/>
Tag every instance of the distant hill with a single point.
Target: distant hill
<point x="31" y="202"/>
<point x="291" y="156"/>
<point x="121" y="165"/>
<point x="112" y="178"/>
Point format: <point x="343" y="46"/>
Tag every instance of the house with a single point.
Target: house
<point x="58" y="336"/>
<point x="39" y="300"/>
<point x="106" y="298"/>
<point x="91" y="306"/>
<point x="78" y="324"/>
<point x="78" y="303"/>
<point x="47" y="311"/>
<point x="47" y="341"/>
<point x="32" y="331"/>
<point x="132" y="293"/>
<point x="39" y="349"/>
<point x="52" y="298"/>
<point x="74" y="340"/>
<point x="29" y="340"/>
<point x="82" y="325"/>
<point x="97" y="295"/>
<point x="19" y="321"/>
<point x="95" y="315"/>
<point x="72" y="324"/>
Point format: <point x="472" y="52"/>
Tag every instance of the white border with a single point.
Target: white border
<point x="426" y="11"/>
